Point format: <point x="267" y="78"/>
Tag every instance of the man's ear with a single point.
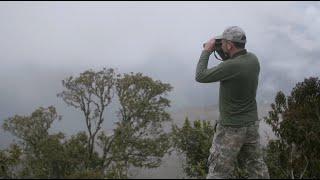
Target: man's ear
<point x="229" y="46"/>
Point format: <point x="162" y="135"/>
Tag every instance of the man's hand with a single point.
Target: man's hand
<point x="209" y="45"/>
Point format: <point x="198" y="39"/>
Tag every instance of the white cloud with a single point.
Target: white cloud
<point x="132" y="35"/>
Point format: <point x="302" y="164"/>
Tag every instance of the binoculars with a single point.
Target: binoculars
<point x="218" y="50"/>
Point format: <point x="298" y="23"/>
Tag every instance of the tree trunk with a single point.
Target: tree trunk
<point x="291" y="162"/>
<point x="305" y="168"/>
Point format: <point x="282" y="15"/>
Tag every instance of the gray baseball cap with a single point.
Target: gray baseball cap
<point x="233" y="33"/>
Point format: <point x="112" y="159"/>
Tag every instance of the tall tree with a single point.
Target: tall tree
<point x="295" y="120"/>
<point x="42" y="152"/>
<point x="32" y="129"/>
<point x="91" y="93"/>
<point x="43" y="155"/>
<point x="139" y="138"/>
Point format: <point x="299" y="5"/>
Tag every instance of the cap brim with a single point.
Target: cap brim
<point x="218" y="37"/>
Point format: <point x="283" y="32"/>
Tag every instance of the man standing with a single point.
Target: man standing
<point x="236" y="139"/>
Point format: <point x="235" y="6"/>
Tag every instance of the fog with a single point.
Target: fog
<point x="42" y="43"/>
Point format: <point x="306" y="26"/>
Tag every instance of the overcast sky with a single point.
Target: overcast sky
<point x="42" y="43"/>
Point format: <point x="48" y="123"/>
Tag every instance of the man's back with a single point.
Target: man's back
<point x="237" y="100"/>
<point x="238" y="78"/>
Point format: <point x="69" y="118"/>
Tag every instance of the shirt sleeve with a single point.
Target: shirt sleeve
<point x="221" y="72"/>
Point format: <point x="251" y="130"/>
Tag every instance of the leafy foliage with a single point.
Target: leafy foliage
<point x="296" y="122"/>
<point x="91" y="92"/>
<point x="43" y="152"/>
<point x="195" y="142"/>
<point x="9" y="159"/>
<point x="138" y="139"/>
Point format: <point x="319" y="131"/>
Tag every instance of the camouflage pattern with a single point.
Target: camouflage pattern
<point x="233" y="33"/>
<point x="236" y="145"/>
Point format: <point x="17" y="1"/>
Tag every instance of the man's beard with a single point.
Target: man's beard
<point x="226" y="53"/>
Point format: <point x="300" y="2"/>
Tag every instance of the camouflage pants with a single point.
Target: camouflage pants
<point x="240" y="146"/>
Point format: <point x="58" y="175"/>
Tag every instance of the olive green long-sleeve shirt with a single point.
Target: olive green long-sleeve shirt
<point x="238" y="77"/>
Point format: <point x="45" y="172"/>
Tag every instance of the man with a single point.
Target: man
<point x="236" y="140"/>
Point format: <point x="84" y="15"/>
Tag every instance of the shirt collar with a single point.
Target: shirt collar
<point x="242" y="52"/>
